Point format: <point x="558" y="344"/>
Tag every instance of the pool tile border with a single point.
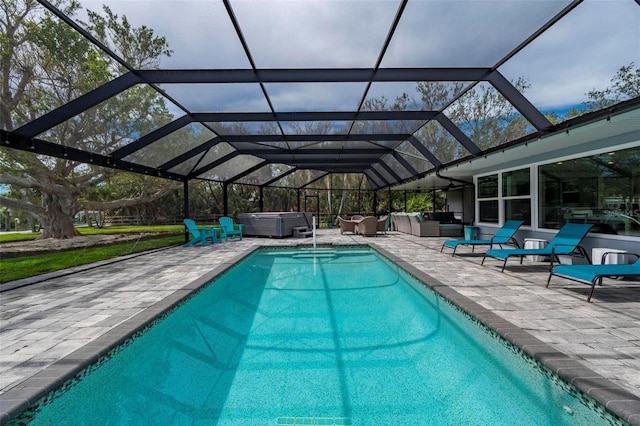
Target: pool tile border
<point x="617" y="400"/>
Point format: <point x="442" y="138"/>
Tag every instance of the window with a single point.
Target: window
<point x="516" y="193"/>
<point x="516" y="183"/>
<point x="488" y="208"/>
<point x="506" y="195"/>
<point x="489" y="211"/>
<point x="602" y="189"/>
<point x="518" y="209"/>
<point x="488" y="186"/>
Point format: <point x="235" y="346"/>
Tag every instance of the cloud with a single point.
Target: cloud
<point x="316" y="96"/>
<point x="288" y="34"/>
<point x="239" y="97"/>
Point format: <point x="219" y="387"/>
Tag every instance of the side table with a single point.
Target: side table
<point x="613" y="257"/>
<point x="535" y="243"/>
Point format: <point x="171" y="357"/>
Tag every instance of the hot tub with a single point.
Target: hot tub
<point x="273" y="224"/>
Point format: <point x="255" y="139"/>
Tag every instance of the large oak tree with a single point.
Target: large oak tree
<point x="46" y="64"/>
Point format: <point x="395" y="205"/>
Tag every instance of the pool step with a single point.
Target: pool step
<point x="318" y="253"/>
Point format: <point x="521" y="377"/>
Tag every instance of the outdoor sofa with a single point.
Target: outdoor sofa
<point x="425" y="226"/>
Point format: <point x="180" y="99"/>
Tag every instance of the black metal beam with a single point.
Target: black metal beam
<point x="313" y="180"/>
<point x="225" y="199"/>
<point x="425" y="152"/>
<point x="246" y="172"/>
<point x="191" y="153"/>
<point x="313" y="116"/>
<point x="329" y="152"/>
<point x="38" y="146"/>
<point x="354" y="170"/>
<point x="367" y="152"/>
<point x="213" y="164"/>
<point x="375" y="178"/>
<point x="520" y="102"/>
<point x="323" y="161"/>
<point x="372" y="185"/>
<point x="152" y="137"/>
<point x="280" y="176"/>
<point x="347" y="171"/>
<point x="313" y="75"/>
<point x="351" y="168"/>
<point x="77" y="106"/>
<point x="185" y="208"/>
<point x="403" y="161"/>
<point x="382" y="178"/>
<point x="390" y="171"/>
<point x="317" y="138"/>
<point x="458" y="134"/>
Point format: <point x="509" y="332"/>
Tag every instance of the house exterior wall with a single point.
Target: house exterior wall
<point x="600" y="187"/>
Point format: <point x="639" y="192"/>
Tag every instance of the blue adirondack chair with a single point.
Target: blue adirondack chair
<point x="566" y="242"/>
<point x="201" y="234"/>
<point x="593" y="274"/>
<point x="504" y="235"/>
<point x="231" y="229"/>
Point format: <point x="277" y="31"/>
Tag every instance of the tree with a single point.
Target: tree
<point x="46" y="64"/>
<point x="625" y="84"/>
<point x="434" y="96"/>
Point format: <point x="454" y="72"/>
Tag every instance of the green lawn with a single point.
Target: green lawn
<point x="86" y="230"/>
<point x="22" y="267"/>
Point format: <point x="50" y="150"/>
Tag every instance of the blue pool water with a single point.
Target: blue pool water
<point x="339" y="337"/>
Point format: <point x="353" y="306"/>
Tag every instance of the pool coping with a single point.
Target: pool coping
<point x="615" y="399"/>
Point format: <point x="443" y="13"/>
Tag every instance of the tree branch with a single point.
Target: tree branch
<point x="125" y="202"/>
<point x="32" y="183"/>
<point x="25" y="206"/>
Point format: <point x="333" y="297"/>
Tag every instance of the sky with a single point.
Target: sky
<point x="581" y="53"/>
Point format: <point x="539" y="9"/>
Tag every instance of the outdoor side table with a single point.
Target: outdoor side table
<point x="614" y="257"/>
<point x="535" y="243"/>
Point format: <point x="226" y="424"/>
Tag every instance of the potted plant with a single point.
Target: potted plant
<point x="330" y="221"/>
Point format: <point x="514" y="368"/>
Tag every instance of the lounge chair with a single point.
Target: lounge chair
<point x="566" y="242"/>
<point x="593" y="274"/>
<point x="201" y="234"/>
<point x="504" y="235"/>
<point x="347" y="225"/>
<point x="231" y="229"/>
<point x="367" y="226"/>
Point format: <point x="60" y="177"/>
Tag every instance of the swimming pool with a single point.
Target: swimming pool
<point x="325" y="336"/>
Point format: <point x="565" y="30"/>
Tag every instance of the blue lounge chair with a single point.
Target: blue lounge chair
<point x="566" y="242"/>
<point x="593" y="274"/>
<point x="231" y="229"/>
<point x="201" y="233"/>
<point x="504" y="235"/>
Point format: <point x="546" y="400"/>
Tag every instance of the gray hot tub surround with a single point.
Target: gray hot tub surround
<point x="273" y="224"/>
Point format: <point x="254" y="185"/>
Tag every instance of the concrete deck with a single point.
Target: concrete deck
<point x="76" y="317"/>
